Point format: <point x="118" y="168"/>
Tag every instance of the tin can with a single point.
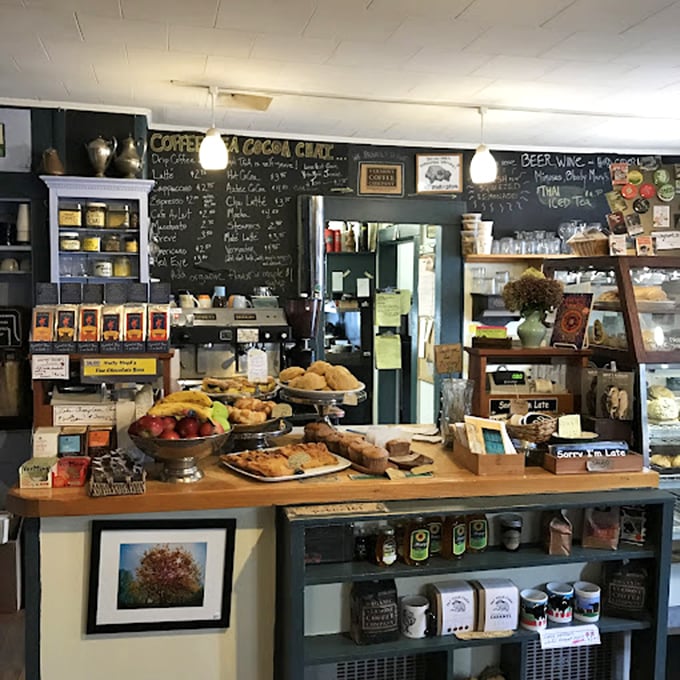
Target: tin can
<point x="103" y="268"/>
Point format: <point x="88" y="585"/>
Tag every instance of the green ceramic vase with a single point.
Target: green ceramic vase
<point x="532" y="331"/>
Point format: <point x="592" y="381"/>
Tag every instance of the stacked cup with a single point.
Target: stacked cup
<point x="477" y="234"/>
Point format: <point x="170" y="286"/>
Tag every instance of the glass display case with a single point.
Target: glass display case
<point x="635" y="322"/>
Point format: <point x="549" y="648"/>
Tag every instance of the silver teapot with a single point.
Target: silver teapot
<point x="130" y="156"/>
<point x="101" y="152"/>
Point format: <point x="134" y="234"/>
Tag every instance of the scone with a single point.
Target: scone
<point x="320" y="367"/>
<point x="308" y="381"/>
<point x="291" y="373"/>
<point x="339" y="378"/>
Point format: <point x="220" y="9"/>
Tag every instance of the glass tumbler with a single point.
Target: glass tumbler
<point x="456" y="399"/>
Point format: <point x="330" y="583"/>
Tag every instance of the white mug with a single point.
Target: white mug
<point x="413" y="616"/>
<point x="238" y="302"/>
<point x="533" y="609"/>
<point x="586" y="602"/>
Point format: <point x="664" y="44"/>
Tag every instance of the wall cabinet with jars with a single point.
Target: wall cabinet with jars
<point x="98" y="229"/>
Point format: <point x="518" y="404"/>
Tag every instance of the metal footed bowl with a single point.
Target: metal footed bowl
<point x="180" y="456"/>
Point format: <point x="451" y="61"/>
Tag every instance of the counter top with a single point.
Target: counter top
<point x="221" y="488"/>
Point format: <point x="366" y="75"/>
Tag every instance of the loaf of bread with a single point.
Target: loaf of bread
<point x="398" y="447"/>
<point x="374" y="459"/>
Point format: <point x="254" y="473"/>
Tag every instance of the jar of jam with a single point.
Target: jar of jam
<point x="477" y="532"/>
<point x="416" y="549"/>
<point x="131" y="244"/>
<point x="69" y="241"/>
<point x="70" y="215"/>
<point x="92" y="244"/>
<point x="111" y="243"/>
<point x="95" y="215"/>
<point x="122" y="267"/>
<point x="118" y="217"/>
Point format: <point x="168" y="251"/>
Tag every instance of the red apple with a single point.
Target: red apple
<point x="169" y="423"/>
<point x="134" y="428"/>
<point x="187" y="427"/>
<point x="206" y="429"/>
<point x="150" y="426"/>
<point x="219" y="429"/>
<point x="169" y="434"/>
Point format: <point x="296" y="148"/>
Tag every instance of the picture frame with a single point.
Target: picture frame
<point x="381" y="179"/>
<point x="439" y="173"/>
<point x="125" y="594"/>
<point x="487" y="436"/>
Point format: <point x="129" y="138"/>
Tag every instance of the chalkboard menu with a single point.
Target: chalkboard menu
<point x="235" y="227"/>
<point x="539" y="190"/>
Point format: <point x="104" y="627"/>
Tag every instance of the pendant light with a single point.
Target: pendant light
<point x="483" y="168"/>
<point x="213" y="154"/>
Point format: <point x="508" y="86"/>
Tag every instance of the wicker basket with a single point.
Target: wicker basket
<point x="538" y="432"/>
<point x="597" y="245"/>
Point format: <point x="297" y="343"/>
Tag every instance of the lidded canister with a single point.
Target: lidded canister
<point x="95" y="215"/>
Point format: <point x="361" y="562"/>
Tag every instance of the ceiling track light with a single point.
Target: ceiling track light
<point x="213" y="154"/>
<point x="483" y="167"/>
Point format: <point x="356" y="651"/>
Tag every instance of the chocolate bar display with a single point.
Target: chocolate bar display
<point x="117" y="474"/>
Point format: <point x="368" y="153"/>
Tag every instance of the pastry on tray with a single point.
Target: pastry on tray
<point x="320" y="377"/>
<point x="282" y="461"/>
<point x="237" y="385"/>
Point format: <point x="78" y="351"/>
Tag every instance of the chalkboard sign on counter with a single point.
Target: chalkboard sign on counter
<point x="235" y="227"/>
<point x="536" y="190"/>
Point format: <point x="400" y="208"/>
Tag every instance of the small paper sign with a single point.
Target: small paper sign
<point x="363" y="288"/>
<point x="572" y="636"/>
<point x="49" y="366"/>
<point x="350" y="399"/>
<point x="109" y="367"/>
<point x="338" y="508"/>
<point x="569" y="426"/>
<point x="448" y="358"/>
<point x="337" y="282"/>
<point x="519" y="407"/>
<point x="667" y="240"/>
<point x="257" y="365"/>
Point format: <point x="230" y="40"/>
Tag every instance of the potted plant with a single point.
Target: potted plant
<point x="532" y="295"/>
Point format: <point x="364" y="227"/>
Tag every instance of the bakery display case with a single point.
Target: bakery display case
<point x="635" y="323"/>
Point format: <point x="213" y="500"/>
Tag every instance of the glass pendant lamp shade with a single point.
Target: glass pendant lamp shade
<point x="483" y="168"/>
<point x="213" y="154"/>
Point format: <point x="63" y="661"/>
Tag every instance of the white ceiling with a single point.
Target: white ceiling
<point x="614" y="63"/>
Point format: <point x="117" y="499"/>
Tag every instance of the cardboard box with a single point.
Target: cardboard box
<point x="45" y="441"/>
<point x="488" y="464"/>
<point x="36" y="473"/>
<point x="10" y="572"/>
<point x="497" y="604"/>
<point x="100" y="440"/>
<point x="454" y="606"/>
<point x="72" y="441"/>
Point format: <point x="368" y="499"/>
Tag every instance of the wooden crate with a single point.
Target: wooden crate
<point x="631" y="462"/>
<point x="488" y="463"/>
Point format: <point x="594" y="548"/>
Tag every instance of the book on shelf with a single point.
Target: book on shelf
<point x="571" y="321"/>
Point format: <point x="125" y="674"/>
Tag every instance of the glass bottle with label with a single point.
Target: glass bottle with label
<point x="477" y="532"/>
<point x="454" y="537"/>
<point x="416" y="542"/>
<point x="385" y="547"/>
<point x="434" y="524"/>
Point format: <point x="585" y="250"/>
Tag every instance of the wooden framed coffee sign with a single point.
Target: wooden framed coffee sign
<point x="381" y="179"/>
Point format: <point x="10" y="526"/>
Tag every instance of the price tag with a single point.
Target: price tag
<point x="350" y="399"/>
<point x="572" y="636"/>
<point x="49" y="366"/>
<point x="337" y="509"/>
<point x="599" y="464"/>
<point x="257" y="366"/>
<point x="103" y="368"/>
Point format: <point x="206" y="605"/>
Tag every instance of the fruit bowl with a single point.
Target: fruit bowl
<point x="180" y="456"/>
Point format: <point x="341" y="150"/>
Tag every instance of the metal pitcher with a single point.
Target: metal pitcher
<point x="101" y="152"/>
<point x="130" y="156"/>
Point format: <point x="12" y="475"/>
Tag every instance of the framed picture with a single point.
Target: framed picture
<point x="160" y="575"/>
<point x="439" y="174"/>
<point x="381" y="179"/>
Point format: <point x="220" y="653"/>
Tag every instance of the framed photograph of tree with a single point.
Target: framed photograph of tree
<point x="160" y="575"/>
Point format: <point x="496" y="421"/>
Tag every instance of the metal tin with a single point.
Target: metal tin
<point x="69" y="241"/>
<point x="118" y="217"/>
<point x="103" y="268"/>
<point x="95" y="215"/>
<point x="70" y="215"/>
<point x="122" y="267"/>
<point x="92" y="244"/>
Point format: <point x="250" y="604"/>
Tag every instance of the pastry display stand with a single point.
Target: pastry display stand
<point x="324" y="403"/>
<point x="248" y="437"/>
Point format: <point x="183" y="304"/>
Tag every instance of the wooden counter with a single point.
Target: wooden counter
<point x="222" y="488"/>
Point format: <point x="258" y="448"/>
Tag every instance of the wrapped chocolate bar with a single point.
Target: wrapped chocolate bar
<point x="117" y="474"/>
<point x="42" y="329"/>
<point x="134" y="328"/>
<point x="67" y="323"/>
<point x="158" y="335"/>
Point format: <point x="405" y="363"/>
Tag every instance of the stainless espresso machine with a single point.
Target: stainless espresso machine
<point x="214" y="341"/>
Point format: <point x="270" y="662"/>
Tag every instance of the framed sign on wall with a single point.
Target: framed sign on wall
<point x="381" y="179"/>
<point x="439" y="174"/>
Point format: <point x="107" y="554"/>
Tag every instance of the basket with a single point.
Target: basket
<point x="538" y="432"/>
<point x="598" y="245"/>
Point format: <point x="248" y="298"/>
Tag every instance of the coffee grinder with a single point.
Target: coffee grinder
<point x="303" y="314"/>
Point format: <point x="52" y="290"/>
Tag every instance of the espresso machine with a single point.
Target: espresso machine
<point x="214" y="341"/>
<point x="303" y="314"/>
<point x="15" y="374"/>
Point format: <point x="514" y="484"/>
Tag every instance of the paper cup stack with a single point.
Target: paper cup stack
<point x="477" y="235"/>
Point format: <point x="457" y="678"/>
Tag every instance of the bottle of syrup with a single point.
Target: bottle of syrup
<point x="385" y="547"/>
<point x="416" y="542"/>
<point x="454" y="537"/>
<point x="477" y="532"/>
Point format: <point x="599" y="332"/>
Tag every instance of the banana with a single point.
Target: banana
<point x="180" y="409"/>
<point x="189" y="396"/>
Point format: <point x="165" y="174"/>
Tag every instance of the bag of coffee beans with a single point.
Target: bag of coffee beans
<point x="557" y="533"/>
<point x="374" y="612"/>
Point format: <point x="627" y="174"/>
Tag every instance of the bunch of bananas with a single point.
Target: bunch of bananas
<point x="180" y="404"/>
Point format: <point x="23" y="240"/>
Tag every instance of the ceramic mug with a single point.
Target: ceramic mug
<point x="238" y="302"/>
<point x="9" y="264"/>
<point x="586" y="602"/>
<point x="533" y="605"/>
<point x="186" y="299"/>
<point x="560" y="602"/>
<point x="414" y="616"/>
<point x="204" y="301"/>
